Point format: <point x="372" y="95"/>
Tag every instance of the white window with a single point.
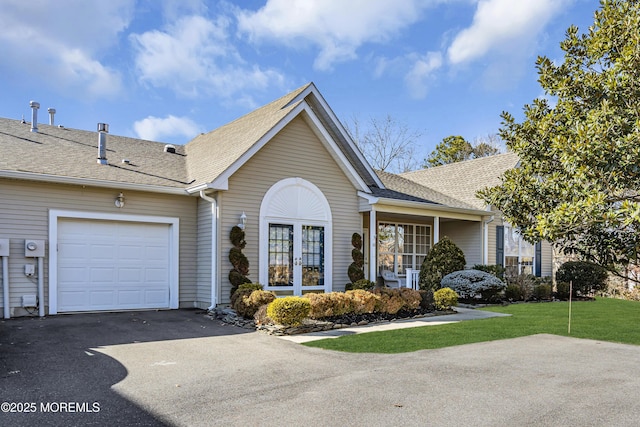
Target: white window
<point x="402" y="246"/>
<point x="518" y="254"/>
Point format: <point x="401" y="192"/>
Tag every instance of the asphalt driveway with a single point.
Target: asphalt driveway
<point x="180" y="368"/>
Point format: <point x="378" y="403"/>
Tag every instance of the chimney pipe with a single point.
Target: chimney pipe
<point x="103" y="129"/>
<point x="52" y="112"/>
<point x="34" y="115"/>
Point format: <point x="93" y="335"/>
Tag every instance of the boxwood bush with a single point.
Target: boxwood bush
<point x="445" y="298"/>
<point x="586" y="277"/>
<point x="290" y="311"/>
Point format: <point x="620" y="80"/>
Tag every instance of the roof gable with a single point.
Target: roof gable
<point x="213" y="157"/>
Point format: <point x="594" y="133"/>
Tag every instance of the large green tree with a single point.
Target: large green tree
<point x="455" y="148"/>
<point x="578" y="181"/>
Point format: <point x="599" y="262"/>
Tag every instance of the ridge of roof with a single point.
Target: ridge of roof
<point x="461" y="180"/>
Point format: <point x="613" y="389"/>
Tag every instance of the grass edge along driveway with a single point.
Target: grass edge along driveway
<point x="604" y="319"/>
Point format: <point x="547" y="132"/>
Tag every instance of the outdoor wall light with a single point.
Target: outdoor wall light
<point x="243" y="220"/>
<point x="120" y="201"/>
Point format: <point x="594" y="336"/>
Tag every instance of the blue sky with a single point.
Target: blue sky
<point x="168" y="70"/>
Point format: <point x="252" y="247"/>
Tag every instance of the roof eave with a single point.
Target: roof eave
<point x="424" y="205"/>
<point x="57" y="179"/>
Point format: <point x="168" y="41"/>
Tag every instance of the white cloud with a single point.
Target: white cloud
<point x="422" y="69"/>
<point x="504" y="25"/>
<point x="62" y="42"/>
<point x="337" y="27"/>
<point x="157" y="129"/>
<point x="194" y="57"/>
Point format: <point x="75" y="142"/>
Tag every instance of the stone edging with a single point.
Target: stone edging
<point x="229" y="316"/>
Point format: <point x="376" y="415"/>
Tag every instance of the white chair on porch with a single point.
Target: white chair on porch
<point x="390" y="279"/>
<point x="413" y="279"/>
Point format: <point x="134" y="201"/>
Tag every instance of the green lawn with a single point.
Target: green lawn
<point x="604" y="319"/>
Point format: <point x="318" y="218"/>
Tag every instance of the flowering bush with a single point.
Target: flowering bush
<point x="470" y="283"/>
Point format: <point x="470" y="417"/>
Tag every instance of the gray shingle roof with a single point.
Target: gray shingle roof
<point x="72" y="153"/>
<point x="400" y="188"/>
<point x="462" y="180"/>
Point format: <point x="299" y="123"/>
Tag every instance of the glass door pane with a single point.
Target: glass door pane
<point x="280" y="255"/>
<point x="312" y="256"/>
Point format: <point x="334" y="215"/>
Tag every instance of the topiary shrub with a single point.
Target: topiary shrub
<point x="289" y="311"/>
<point x="444" y="258"/>
<point x="469" y="284"/>
<point x="585" y="276"/>
<point x="365" y="284"/>
<point x="496" y="270"/>
<point x="356" y="268"/>
<point x="445" y="298"/>
<point x="239" y="261"/>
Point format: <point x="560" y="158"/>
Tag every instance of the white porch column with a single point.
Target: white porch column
<point x="436" y="229"/>
<point x="373" y="254"/>
<point x="485" y="241"/>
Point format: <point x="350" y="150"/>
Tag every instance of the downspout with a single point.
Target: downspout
<point x="214" y="247"/>
<point x="485" y="257"/>
<point x="5" y="286"/>
<point x="41" y="286"/>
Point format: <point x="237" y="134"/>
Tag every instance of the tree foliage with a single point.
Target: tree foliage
<point x="388" y="144"/>
<point x="578" y="184"/>
<point x="454" y="149"/>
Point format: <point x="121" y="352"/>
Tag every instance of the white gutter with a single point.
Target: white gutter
<point x="214" y="247"/>
<point x="31" y="176"/>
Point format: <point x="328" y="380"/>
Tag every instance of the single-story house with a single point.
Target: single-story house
<point x="91" y="221"/>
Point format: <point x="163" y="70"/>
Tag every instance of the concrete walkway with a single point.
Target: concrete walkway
<point x="461" y="315"/>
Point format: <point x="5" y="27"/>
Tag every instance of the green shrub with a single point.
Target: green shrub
<point x="244" y="289"/>
<point x="445" y="298"/>
<point x="289" y="310"/>
<point x="562" y="290"/>
<point x="444" y="258"/>
<point x="542" y="292"/>
<point x="427" y="302"/>
<point x="496" y="270"/>
<point x="585" y="276"/>
<point x="513" y="293"/>
<point x="365" y="284"/>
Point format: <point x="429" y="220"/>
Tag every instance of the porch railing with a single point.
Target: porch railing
<point x="413" y="277"/>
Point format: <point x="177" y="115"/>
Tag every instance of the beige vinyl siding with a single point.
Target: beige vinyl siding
<point x="467" y="235"/>
<point x="203" y="270"/>
<point x="492" y="240"/>
<point x="294" y="152"/>
<point x="24" y="210"/>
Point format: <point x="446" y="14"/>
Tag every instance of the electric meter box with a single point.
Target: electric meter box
<point x="33" y="248"/>
<point x="4" y="247"/>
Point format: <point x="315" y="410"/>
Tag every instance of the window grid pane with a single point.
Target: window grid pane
<point x="280" y="255"/>
<point x="402" y="246"/>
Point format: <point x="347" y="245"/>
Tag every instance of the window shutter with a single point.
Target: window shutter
<point x="500" y="245"/>
<point x="538" y="259"/>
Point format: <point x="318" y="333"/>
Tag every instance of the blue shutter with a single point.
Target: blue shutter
<point x="538" y="260"/>
<point x="500" y="245"/>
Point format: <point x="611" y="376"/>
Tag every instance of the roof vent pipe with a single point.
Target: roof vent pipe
<point x="34" y="115"/>
<point x="103" y="129"/>
<point x="52" y="112"/>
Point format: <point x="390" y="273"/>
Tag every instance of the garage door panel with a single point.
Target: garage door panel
<point x="111" y="265"/>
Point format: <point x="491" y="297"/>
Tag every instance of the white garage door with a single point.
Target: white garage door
<point x="112" y="265"/>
